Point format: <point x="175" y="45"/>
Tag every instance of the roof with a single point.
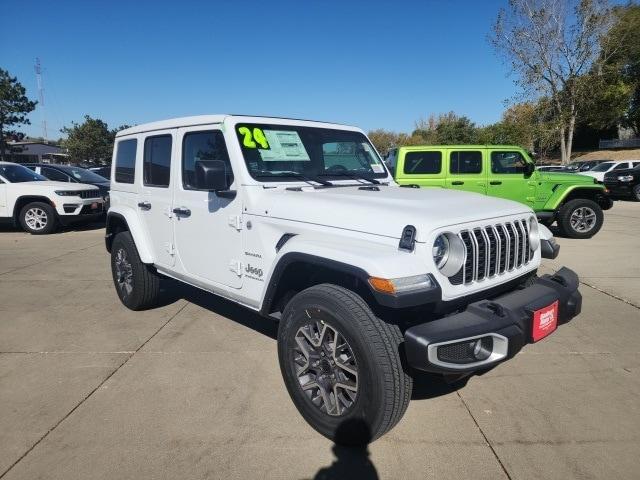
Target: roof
<point x="461" y="145"/>
<point x="206" y="120"/>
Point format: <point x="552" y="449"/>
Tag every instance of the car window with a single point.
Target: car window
<point x="206" y="145"/>
<point x="621" y="166"/>
<point x="157" y="161"/>
<point x="635" y="164"/>
<point x="510" y="162"/>
<point x="603" y="167"/>
<point x="423" y="162"/>
<point x="53" y="174"/>
<point x="126" y="160"/>
<point x="465" y="162"/>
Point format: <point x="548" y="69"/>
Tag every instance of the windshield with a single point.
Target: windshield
<point x="19" y="174"/>
<point x="83" y="175"/>
<point x="278" y="151"/>
<point x="603" y="167"/>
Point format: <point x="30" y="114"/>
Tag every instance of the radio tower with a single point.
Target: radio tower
<point x="41" y="99"/>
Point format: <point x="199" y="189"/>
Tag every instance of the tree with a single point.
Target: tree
<point x="623" y="64"/>
<point x="90" y="141"/>
<point x="14" y="107"/>
<point x="550" y="45"/>
<point x="446" y="129"/>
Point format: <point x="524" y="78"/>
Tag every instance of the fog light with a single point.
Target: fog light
<point x="469" y="351"/>
<point x="482" y="348"/>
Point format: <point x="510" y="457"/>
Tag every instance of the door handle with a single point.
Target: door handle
<point x="182" y="212"/>
<point x="144" y="206"/>
<point x="495" y="182"/>
<point x="457" y="183"/>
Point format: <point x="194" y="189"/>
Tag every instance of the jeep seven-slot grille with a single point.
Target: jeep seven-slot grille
<point x="493" y="250"/>
<point x="94" y="193"/>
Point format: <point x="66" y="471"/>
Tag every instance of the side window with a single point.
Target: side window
<point x="126" y="160"/>
<point x="53" y="174"/>
<point x="508" y="162"/>
<point x="635" y="164"/>
<point x="621" y="166"/>
<point x="157" y="161"/>
<point x="465" y="162"/>
<point x="205" y="145"/>
<point x="423" y="162"/>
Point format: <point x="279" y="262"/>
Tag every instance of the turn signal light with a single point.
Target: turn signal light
<point x="382" y="285"/>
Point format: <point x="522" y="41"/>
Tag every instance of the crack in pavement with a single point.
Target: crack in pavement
<point x="90" y="394"/>
<point x="488" y="443"/>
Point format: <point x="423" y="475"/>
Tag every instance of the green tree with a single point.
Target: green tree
<point x="446" y="129"/>
<point x="550" y="45"/>
<point x="90" y="141"/>
<point x="622" y="66"/>
<point x="14" y="107"/>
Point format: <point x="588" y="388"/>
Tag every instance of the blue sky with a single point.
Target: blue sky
<point x="375" y="64"/>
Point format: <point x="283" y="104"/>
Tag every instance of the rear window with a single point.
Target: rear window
<point x="157" y="161"/>
<point x="423" y="162"/>
<point x="126" y="160"/>
<point x="465" y="162"/>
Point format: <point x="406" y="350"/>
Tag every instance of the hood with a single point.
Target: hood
<point x="564" y="178"/>
<point x="626" y="171"/>
<point x="49" y="184"/>
<point x="385" y="212"/>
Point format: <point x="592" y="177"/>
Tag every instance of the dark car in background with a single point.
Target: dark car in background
<point x="624" y="184"/>
<point x="67" y="173"/>
<point x="102" y="171"/>
<point x="583" y="165"/>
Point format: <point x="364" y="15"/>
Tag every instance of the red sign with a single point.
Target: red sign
<point x="545" y="321"/>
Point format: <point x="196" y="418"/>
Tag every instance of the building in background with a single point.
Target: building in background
<point x="35" y="152"/>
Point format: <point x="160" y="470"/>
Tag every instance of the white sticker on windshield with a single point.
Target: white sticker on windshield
<point x="284" y="146"/>
<point x="377" y="168"/>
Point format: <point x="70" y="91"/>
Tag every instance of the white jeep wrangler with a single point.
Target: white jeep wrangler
<point x="39" y="205"/>
<point x="302" y="222"/>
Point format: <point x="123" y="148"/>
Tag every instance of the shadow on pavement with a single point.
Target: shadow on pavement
<point x="174" y="291"/>
<point x="350" y="462"/>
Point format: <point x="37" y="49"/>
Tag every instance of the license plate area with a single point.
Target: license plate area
<point x="545" y="321"/>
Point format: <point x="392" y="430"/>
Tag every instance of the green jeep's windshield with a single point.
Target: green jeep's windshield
<point x="273" y="152"/>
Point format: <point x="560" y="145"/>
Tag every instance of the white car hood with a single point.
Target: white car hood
<point x="385" y="212"/>
<point x="48" y="185"/>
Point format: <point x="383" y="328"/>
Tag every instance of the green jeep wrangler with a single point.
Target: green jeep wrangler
<point x="575" y="201"/>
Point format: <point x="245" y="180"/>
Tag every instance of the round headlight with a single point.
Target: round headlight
<point x="440" y="250"/>
<point x="448" y="253"/>
<point x="534" y="235"/>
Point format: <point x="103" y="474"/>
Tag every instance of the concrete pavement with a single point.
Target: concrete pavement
<point x="89" y="389"/>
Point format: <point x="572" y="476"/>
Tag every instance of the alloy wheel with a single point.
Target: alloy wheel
<point x="36" y="219"/>
<point x="583" y="219"/>
<point x="325" y="366"/>
<point x="124" y="272"/>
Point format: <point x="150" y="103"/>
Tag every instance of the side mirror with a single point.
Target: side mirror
<point x="529" y="169"/>
<point x="211" y="175"/>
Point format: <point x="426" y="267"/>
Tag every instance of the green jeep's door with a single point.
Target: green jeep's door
<point x="466" y="170"/>
<point x="507" y="178"/>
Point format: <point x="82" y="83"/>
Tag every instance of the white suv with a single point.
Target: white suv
<point x="39" y="205"/>
<point x="302" y="222"/>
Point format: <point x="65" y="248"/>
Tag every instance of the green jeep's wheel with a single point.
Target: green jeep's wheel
<point x="341" y="365"/>
<point x="580" y="218"/>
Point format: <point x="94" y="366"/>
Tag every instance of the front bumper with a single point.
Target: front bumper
<point x="620" y="190"/>
<point x="86" y="212"/>
<point x="507" y="319"/>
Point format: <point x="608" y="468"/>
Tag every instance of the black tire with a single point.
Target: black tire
<point x="571" y="208"/>
<point x="38" y="218"/>
<point x="137" y="284"/>
<point x="636" y="193"/>
<point x="383" y="387"/>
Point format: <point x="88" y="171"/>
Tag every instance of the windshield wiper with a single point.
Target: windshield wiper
<point x="304" y="178"/>
<point x="352" y="176"/>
